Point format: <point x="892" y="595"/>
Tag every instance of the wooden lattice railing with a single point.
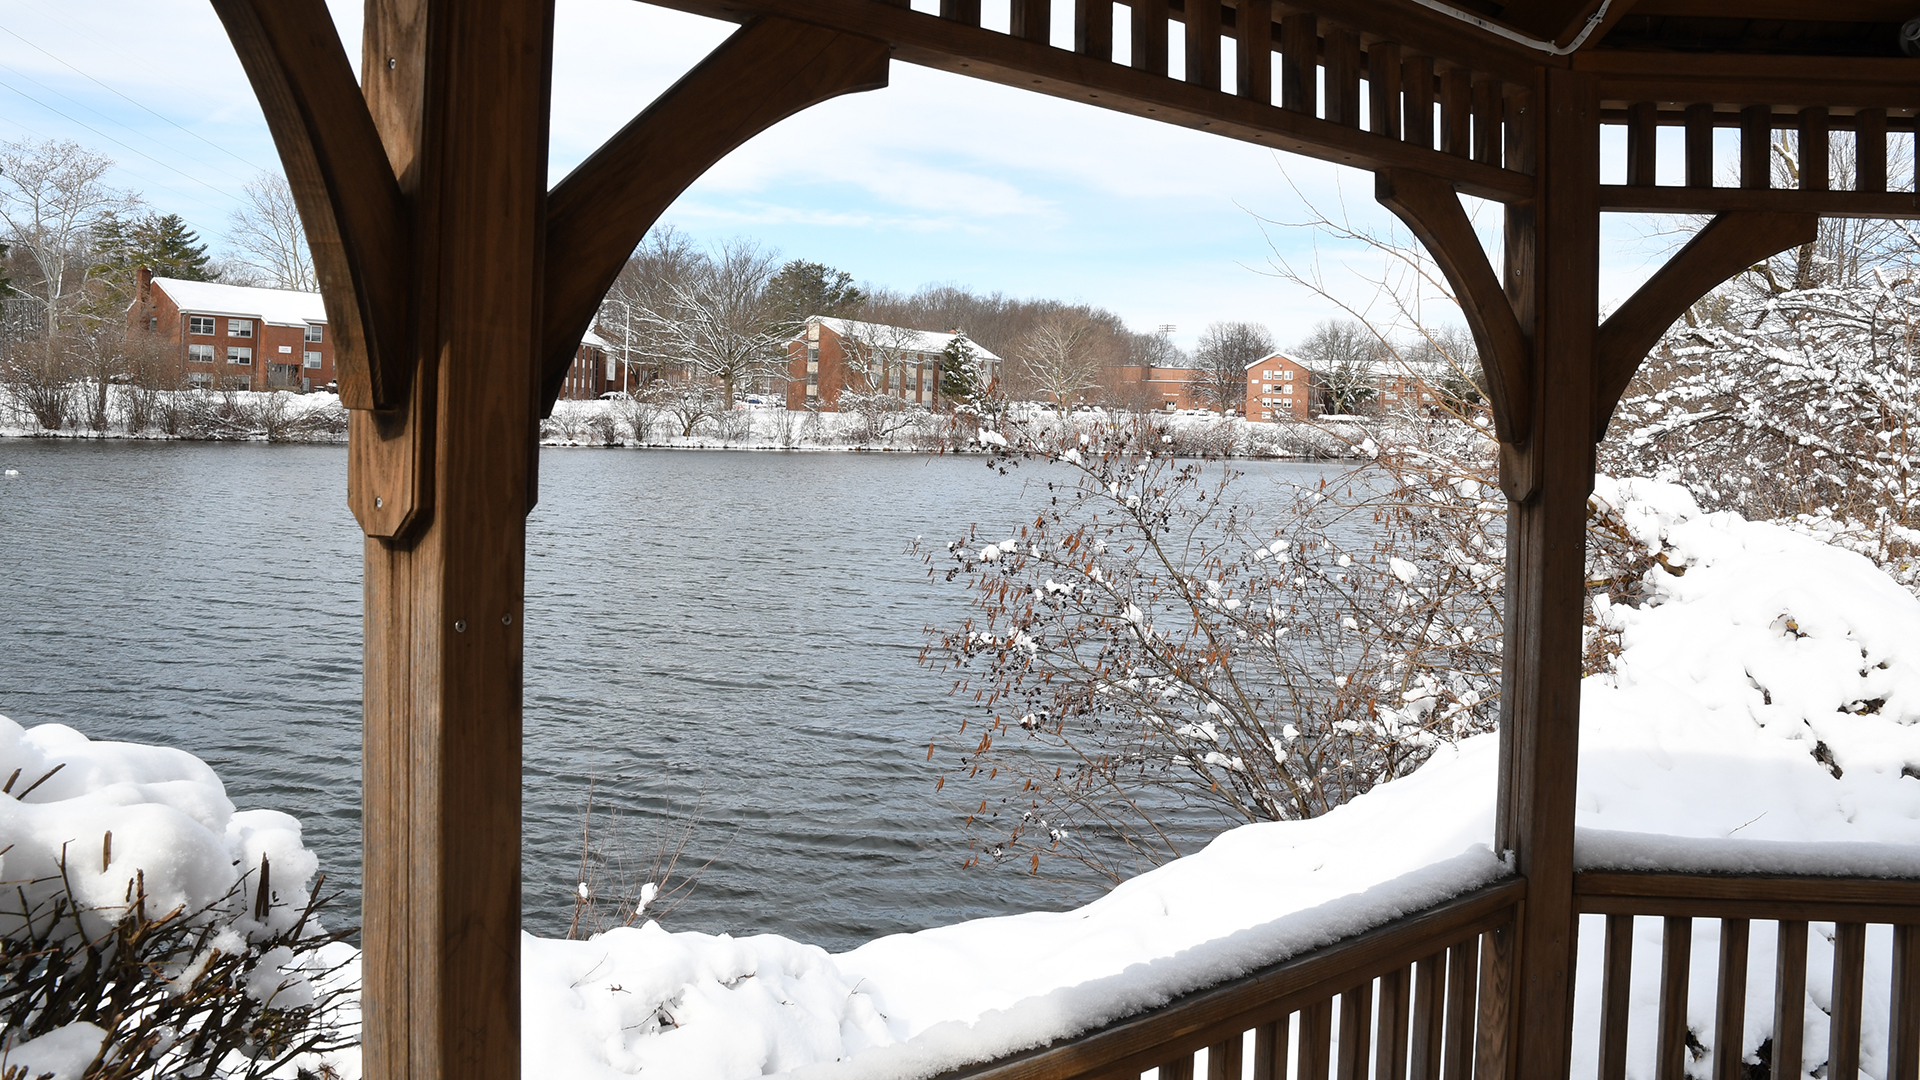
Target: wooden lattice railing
<point x="1413" y="999"/>
<point x="1850" y="905"/>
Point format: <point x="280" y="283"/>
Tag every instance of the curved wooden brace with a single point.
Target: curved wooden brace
<point x="1432" y="210"/>
<point x="1729" y="244"/>
<point x="356" y="220"/>
<point x="766" y="71"/>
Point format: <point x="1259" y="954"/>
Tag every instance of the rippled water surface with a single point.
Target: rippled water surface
<point x="736" y="631"/>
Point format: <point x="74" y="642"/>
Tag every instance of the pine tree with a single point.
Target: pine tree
<point x="959" y="373"/>
<point x="801" y="290"/>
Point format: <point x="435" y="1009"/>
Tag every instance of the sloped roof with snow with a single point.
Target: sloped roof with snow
<point x="1271" y="357"/>
<point x="282" y="307"/>
<point x="898" y="337"/>
<point x="595" y="341"/>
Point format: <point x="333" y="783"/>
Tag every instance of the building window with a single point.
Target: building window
<point x="1286" y="389"/>
<point x="200" y="324"/>
<point x="199" y="354"/>
<point x="239" y="327"/>
<point x="311" y="359"/>
<point x="1266" y="415"/>
<point x="1285" y="375"/>
<point x="313" y="332"/>
<point x="153" y="323"/>
<point x="238" y="355"/>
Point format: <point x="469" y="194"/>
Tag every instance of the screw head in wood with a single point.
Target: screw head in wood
<point x="460" y="626"/>
<point x="378" y="502"/>
<point x="506" y="620"/>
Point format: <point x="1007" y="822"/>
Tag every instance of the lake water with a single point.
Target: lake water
<point x="736" y="631"/>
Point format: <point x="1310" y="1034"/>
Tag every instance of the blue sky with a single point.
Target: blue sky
<point x="934" y="179"/>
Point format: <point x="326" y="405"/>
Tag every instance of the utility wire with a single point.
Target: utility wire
<point x="117" y="142"/>
<point x="132" y="101"/>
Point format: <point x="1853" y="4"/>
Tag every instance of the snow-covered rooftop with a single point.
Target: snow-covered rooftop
<point x="593" y="340"/>
<point x="282" y="307"/>
<point x="900" y="337"/>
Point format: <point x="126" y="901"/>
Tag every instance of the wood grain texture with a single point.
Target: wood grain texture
<point x="1211" y="1016"/>
<point x="1390" y="1025"/>
<point x="1728" y="244"/>
<point x="1486" y="122"/>
<point x="1315" y="1052"/>
<point x="1352" y="1051"/>
<point x="1032" y="20"/>
<point x="1429" y="1017"/>
<point x="1676" y="957"/>
<point x="1224" y="1059"/>
<point x="1643" y="144"/>
<point x="1676" y="200"/>
<point x="1456" y="112"/>
<point x="1843" y="1021"/>
<point x="1699" y="145"/>
<point x="356" y="220"/>
<point x="1149" y="36"/>
<point x="1343" y="76"/>
<point x="1903" y="1037"/>
<point x="1416" y="80"/>
<point x="1202" y="43"/>
<point x="765" y="72"/>
<point x="1093" y="28"/>
<point x="1253" y="51"/>
<point x="1463" y="978"/>
<point x="1493" y="1038"/>
<point x="1554" y="253"/>
<point x="1270" y="1049"/>
<point x="1756" y="147"/>
<point x="1383" y="89"/>
<point x="1790" y="1000"/>
<point x="1813" y="148"/>
<point x="1616" y="990"/>
<point x="1300" y="64"/>
<point x="1433" y="212"/>
<point x="1730" y="1006"/>
<point x="1870" y="150"/>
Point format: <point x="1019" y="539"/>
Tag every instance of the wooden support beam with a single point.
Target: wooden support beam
<point x="1253" y="56"/>
<point x="1433" y="212"/>
<point x="1678" y="200"/>
<point x="1203" y="43"/>
<point x="1813" y="149"/>
<point x="1643" y="144"/>
<point x="1299" y="64"/>
<point x="459" y="90"/>
<point x="1729" y="244"/>
<point x="356" y="222"/>
<point x="1553" y="266"/>
<point x="765" y="72"/>
<point x="1456" y="112"/>
<point x="1093" y="28"/>
<point x="1383" y="89"/>
<point x="1494" y="1035"/>
<point x="1790" y="999"/>
<point x="1486" y="122"/>
<point x="1150" y="36"/>
<point x="964" y="12"/>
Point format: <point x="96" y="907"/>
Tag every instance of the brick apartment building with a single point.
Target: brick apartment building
<point x="1281" y="388"/>
<point x="1147" y="388"/>
<point x="832" y="356"/>
<point x="236" y="337"/>
<point x="595" y="371"/>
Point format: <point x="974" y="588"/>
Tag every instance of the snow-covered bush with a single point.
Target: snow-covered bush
<point x="148" y="929"/>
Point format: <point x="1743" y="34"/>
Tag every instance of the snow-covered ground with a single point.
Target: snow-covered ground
<point x="1763" y="715"/>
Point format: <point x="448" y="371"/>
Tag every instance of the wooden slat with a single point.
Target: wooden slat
<point x="1180" y="1068"/>
<point x="1730" y="1009"/>
<point x="1429" y="1017"/>
<point x="1494" y="1028"/>
<point x="1149" y="36"/>
<point x="1299" y="64"/>
<point x="1210" y="1016"/>
<point x="1825" y="898"/>
<point x="1253" y="64"/>
<point x="1463" y="970"/>
<point x="1416" y="77"/>
<point x="1814" y="161"/>
<point x="1032" y="20"/>
<point x="964" y="12"/>
<point x="1316" y="1042"/>
<point x="1643" y="144"/>
<point x="1790" y="1000"/>
<point x="1676" y="955"/>
<point x="1843" y="1028"/>
<point x="1456" y="112"/>
<point x="1383" y="89"/>
<point x="1343" y="76"/>
<point x="1203" y="43"/>
<point x="1903" y="1036"/>
<point x="1870" y="150"/>
<point x="1788" y="82"/>
<point x="1616" y="997"/>
<point x="1390" y="1030"/>
<point x="1674" y="200"/>
<point x="1224" y="1059"/>
<point x="1699" y="152"/>
<point x="1270" y="1050"/>
<point x="1756" y="147"/>
<point x="1356" y="1021"/>
<point x="1486" y="122"/>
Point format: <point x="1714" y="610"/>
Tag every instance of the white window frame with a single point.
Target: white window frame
<point x="239" y="356"/>
<point x="200" y="354"/>
<point x="310" y="359"/>
<point x="212" y="325"/>
<point x="240" y="328"/>
<point x="314" y="332"/>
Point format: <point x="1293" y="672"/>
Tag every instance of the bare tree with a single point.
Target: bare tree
<point x="664" y="263"/>
<point x="1225" y="352"/>
<point x="268" y="237"/>
<point x="883" y="362"/>
<point x="717" y="321"/>
<point x="1059" y="356"/>
<point x="52" y="194"/>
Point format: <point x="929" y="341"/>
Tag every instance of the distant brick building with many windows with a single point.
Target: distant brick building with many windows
<point x="830" y="357"/>
<point x="236" y="337"/>
<point x="1280" y="388"/>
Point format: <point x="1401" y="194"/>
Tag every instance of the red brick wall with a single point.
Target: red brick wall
<point x="154" y="313"/>
<point x="1268" y="383"/>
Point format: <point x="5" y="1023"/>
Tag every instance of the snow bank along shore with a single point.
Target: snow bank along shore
<point x="1763" y="716"/>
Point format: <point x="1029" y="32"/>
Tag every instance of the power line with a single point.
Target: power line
<point x="117" y="142"/>
<point x="133" y="101"/>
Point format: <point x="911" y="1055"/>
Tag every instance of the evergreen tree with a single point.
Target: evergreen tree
<point x="160" y="241"/>
<point x="959" y="372"/>
<point x="803" y="289"/>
